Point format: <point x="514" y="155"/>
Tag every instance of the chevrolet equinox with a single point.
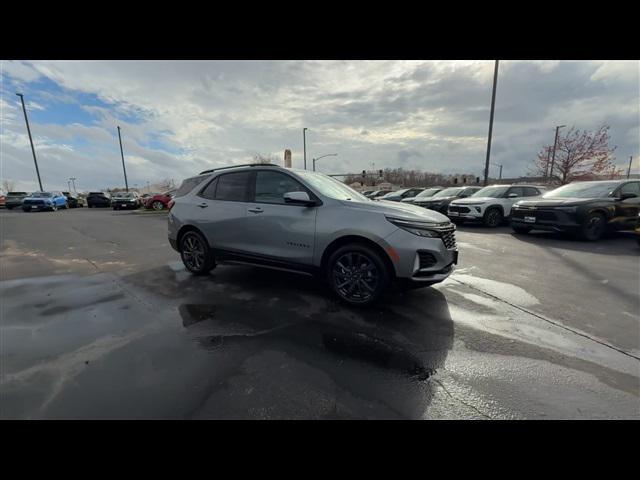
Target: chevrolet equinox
<point x="307" y="222"/>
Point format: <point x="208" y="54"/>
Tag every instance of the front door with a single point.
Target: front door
<point x="276" y="230"/>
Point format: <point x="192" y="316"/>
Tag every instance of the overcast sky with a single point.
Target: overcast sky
<point x="178" y="118"/>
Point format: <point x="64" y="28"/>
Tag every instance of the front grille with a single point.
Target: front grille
<point x="34" y="202"/>
<point x="427" y="259"/>
<point x="448" y="236"/>
<point x="455" y="208"/>
<point x="547" y="215"/>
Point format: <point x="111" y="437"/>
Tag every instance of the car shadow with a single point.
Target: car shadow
<point x="375" y="362"/>
<point x="613" y="243"/>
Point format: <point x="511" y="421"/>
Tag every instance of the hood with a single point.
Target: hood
<point x="402" y="210"/>
<point x="560" y="202"/>
<point x="469" y="200"/>
<point x="434" y="200"/>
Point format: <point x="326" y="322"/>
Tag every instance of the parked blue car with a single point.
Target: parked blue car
<point x="44" y="201"/>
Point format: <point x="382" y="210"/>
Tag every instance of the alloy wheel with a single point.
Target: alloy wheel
<point x="355" y="277"/>
<point x="193" y="252"/>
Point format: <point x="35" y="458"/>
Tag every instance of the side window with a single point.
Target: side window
<point x="271" y="186"/>
<point x="188" y="185"/>
<point x="531" y="192"/>
<point x="209" y="191"/>
<point x="467" y="192"/>
<point x="517" y="190"/>
<point x="233" y="187"/>
<point x="632" y="187"/>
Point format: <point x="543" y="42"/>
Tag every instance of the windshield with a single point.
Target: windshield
<point x="17" y="193"/>
<point x="397" y="192"/>
<point x="124" y="195"/>
<point x="41" y="194"/>
<point x="429" y="192"/>
<point x="331" y="187"/>
<point x="583" y="190"/>
<point x="493" y="192"/>
<point x="448" y="192"/>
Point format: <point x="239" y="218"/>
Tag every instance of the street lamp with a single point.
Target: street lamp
<point x="316" y="159"/>
<point x="498" y="165"/>
<point x="304" y="145"/>
<point x="493" y="106"/>
<point x="33" y="150"/>
<point x="553" y="156"/>
<point x="126" y="185"/>
<point x="73" y="181"/>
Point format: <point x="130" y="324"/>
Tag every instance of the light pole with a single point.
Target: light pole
<point x="73" y="181"/>
<point x="553" y="155"/>
<point x="304" y="146"/>
<point x="126" y="185"/>
<point x="68" y="186"/>
<point x="316" y="159"/>
<point x="629" y="169"/>
<point x="498" y="165"/>
<point x="33" y="150"/>
<point x="493" y="105"/>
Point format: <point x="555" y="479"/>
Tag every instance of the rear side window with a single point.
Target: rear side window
<point x="210" y="190"/>
<point x="233" y="187"/>
<point x="517" y="190"/>
<point x="531" y="192"/>
<point x="188" y="185"/>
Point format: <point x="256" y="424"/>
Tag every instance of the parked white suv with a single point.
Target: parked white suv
<point x="492" y="204"/>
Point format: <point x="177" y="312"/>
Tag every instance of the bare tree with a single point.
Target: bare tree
<point x="264" y="158"/>
<point x="580" y="155"/>
<point x="8" y="185"/>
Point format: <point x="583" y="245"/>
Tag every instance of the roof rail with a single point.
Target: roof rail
<point x="241" y="165"/>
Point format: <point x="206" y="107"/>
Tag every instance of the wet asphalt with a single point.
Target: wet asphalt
<point x="100" y="320"/>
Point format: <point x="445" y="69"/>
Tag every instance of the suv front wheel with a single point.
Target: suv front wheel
<point x="196" y="254"/>
<point x="357" y="274"/>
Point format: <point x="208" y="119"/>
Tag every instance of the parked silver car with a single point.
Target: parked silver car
<point x="307" y="222"/>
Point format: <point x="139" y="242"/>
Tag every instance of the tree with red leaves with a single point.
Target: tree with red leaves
<point x="580" y="155"/>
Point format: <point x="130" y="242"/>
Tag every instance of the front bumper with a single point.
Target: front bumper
<point x="409" y="249"/>
<point x="125" y="205"/>
<point x="547" y="219"/>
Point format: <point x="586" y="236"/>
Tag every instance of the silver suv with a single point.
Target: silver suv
<point x="307" y="222"/>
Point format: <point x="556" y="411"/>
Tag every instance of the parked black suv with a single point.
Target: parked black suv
<point x="584" y="208"/>
<point x="73" y="201"/>
<point x="98" y="199"/>
<point x="441" y="200"/>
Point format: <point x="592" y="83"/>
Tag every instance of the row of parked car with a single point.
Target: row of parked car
<point x="55" y="200"/>
<point x="587" y="209"/>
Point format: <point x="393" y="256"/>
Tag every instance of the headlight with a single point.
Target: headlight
<point x="422" y="229"/>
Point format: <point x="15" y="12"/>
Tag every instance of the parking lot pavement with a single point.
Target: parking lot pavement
<point x="100" y="320"/>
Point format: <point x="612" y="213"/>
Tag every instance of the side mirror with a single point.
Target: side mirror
<point x="298" y="198"/>
<point x="624" y="196"/>
<point x="512" y="195"/>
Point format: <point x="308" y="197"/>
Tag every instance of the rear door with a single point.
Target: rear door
<point x="274" y="229"/>
<point x="508" y="201"/>
<point x="219" y="211"/>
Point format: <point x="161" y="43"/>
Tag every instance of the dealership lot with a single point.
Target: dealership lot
<point x="100" y="320"/>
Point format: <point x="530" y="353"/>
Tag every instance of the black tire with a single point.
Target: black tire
<point x="521" y="229"/>
<point x="357" y="274"/>
<point x="26" y="209"/>
<point x="196" y="255"/>
<point x="54" y="208"/>
<point x="594" y="227"/>
<point x="9" y="208"/>
<point x="116" y="208"/>
<point x="457" y="221"/>
<point x="492" y="218"/>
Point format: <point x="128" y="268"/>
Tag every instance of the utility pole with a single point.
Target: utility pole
<point x="493" y="104"/>
<point x="629" y="169"/>
<point x="73" y="181"/>
<point x="304" y="146"/>
<point x="126" y="185"/>
<point x="553" y="156"/>
<point x="69" y="186"/>
<point x="546" y="166"/>
<point x="33" y="150"/>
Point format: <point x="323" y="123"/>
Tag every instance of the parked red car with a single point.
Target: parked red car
<point x="159" y="201"/>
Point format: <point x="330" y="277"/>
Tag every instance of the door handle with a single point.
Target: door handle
<point x="203" y="205"/>
<point x="256" y="210"/>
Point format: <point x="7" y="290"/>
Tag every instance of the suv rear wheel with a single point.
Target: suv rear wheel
<point x="357" y="274"/>
<point x="196" y="254"/>
<point x="493" y="217"/>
